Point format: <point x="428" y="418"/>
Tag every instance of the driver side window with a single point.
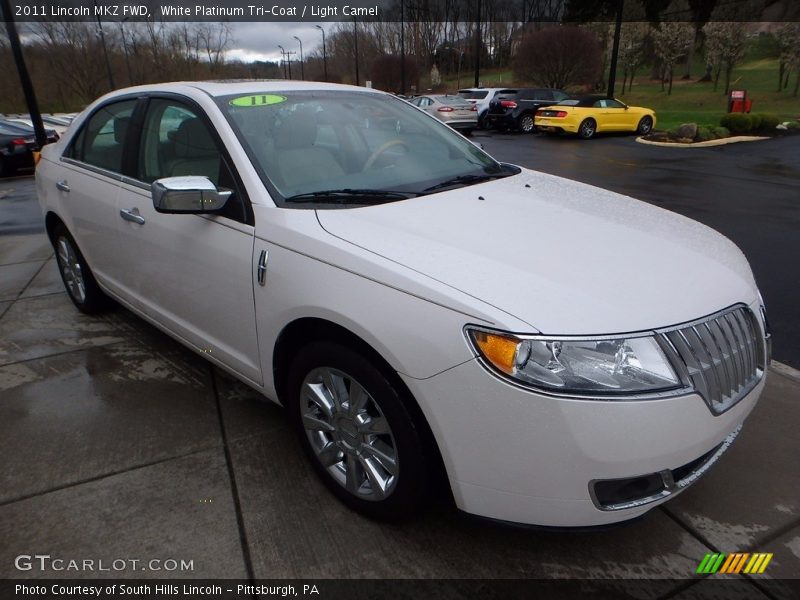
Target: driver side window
<point x="177" y="142"/>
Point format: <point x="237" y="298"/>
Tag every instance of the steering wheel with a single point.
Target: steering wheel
<point x="381" y="149"/>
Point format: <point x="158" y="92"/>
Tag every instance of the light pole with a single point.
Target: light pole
<point x="612" y="73"/>
<point x="324" y="53"/>
<point x="478" y="48"/>
<point x="302" y="68"/>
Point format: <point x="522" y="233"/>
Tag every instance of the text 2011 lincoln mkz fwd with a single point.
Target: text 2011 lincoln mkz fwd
<point x="558" y="354"/>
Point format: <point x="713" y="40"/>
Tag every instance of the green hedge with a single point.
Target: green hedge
<point x="739" y="123"/>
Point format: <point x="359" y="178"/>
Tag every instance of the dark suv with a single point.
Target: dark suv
<point x="516" y="108"/>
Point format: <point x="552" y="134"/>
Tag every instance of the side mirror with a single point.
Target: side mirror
<point x="190" y="194"/>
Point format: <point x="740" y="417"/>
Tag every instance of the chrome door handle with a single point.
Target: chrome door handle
<point x="262" y="268"/>
<point x="62" y="185"/>
<point x="132" y="215"/>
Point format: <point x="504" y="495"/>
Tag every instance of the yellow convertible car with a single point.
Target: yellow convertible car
<point x="592" y="114"/>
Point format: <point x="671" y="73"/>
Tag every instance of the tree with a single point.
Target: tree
<point x="559" y="57"/>
<point x="672" y="41"/>
<point x="788" y="38"/>
<point x="631" y="50"/>
<point x="725" y="47"/>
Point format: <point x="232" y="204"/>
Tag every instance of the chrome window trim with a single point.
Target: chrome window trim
<point x="671" y="487"/>
<point x="92" y="168"/>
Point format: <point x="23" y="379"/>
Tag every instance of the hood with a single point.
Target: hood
<point x="565" y="257"/>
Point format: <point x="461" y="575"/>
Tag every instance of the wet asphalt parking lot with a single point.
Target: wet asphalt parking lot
<point x="119" y="443"/>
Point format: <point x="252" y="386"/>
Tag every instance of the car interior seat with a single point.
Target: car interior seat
<point x="195" y="151"/>
<point x="298" y="159"/>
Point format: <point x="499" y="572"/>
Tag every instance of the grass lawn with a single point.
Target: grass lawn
<point x="691" y="101"/>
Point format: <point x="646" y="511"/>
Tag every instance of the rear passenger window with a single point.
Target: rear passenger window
<point x="102" y="139"/>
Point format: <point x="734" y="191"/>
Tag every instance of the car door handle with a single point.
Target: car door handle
<point x="62" y="185"/>
<point x="262" y="268"/>
<point x="132" y="215"/>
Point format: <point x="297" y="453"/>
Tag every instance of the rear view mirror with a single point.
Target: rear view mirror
<point x="190" y="194"/>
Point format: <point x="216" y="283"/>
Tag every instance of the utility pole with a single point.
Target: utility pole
<point x="478" y="48"/>
<point x="283" y="61"/>
<point x="125" y="49"/>
<point x="302" y="68"/>
<point x="24" y="76"/>
<point x="612" y="75"/>
<point x="105" y="49"/>
<point x="289" y="62"/>
<point x="355" y="44"/>
<point x="324" y="53"/>
<point x="402" y="47"/>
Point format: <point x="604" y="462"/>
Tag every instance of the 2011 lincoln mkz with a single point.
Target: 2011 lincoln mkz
<point x="556" y="353"/>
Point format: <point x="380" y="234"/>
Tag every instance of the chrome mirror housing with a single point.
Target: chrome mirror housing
<point x="187" y="194"/>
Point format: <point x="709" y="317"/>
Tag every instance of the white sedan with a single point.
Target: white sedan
<point x="558" y="354"/>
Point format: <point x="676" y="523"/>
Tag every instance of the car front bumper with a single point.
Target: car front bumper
<point x="517" y="455"/>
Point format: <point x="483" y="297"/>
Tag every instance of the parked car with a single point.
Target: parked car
<point x="26" y="129"/>
<point x="451" y="110"/>
<point x="592" y="114"/>
<point x="480" y="97"/>
<point x="516" y="108"/>
<point x="557" y="353"/>
<point x="57" y="124"/>
<point x="17" y="145"/>
<point x="16" y="150"/>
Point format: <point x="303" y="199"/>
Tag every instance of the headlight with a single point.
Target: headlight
<point x="584" y="367"/>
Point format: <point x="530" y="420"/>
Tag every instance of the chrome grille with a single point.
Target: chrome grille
<point x="721" y="357"/>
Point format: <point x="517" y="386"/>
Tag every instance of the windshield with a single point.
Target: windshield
<point x="453" y="101"/>
<point x="342" y="147"/>
<point x="473" y="95"/>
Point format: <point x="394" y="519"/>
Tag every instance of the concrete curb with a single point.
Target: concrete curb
<point x="708" y="143"/>
<point x="785" y="370"/>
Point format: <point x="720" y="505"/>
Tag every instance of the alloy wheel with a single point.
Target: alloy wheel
<point x="645" y="125"/>
<point x="526" y="124"/>
<point x="349" y="434"/>
<point x="70" y="266"/>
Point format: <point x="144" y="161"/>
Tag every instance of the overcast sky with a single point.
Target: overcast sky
<point x="259" y="41"/>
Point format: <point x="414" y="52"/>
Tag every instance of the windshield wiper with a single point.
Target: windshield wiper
<point x="465" y="180"/>
<point x="346" y="195"/>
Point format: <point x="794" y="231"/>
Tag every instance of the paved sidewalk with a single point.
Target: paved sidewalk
<point x="119" y="443"/>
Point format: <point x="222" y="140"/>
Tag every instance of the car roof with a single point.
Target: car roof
<point x="248" y="86"/>
<point x="591" y="99"/>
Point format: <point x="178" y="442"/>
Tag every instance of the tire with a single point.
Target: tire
<point x="468" y="132"/>
<point x="587" y="128"/>
<point x="645" y="125"/>
<point x="377" y="441"/>
<point x="78" y="279"/>
<point x="526" y="123"/>
<point x="4" y="170"/>
<point x="482" y="121"/>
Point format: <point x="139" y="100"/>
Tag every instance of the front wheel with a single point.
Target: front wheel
<point x="526" y="123"/>
<point x="587" y="129"/>
<point x="645" y="126"/>
<point x="354" y="425"/>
